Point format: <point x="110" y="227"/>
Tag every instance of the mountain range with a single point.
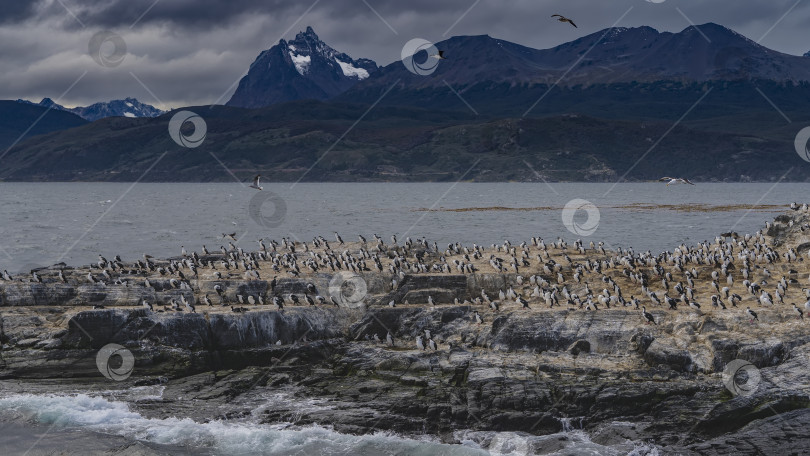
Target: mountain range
<point x="705" y="102"/>
<point x="503" y="78"/>
<point x="128" y="107"/>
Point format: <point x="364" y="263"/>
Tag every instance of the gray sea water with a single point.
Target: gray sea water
<point x="45" y="223"/>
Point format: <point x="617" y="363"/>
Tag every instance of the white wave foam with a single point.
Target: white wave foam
<point x="231" y="438"/>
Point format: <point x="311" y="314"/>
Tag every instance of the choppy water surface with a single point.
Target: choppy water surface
<point x="41" y="224"/>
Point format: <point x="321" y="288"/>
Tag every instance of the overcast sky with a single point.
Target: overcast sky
<point x="192" y="52"/>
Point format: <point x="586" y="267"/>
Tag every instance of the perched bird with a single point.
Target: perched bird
<point x="564" y="19"/>
<point x="255" y="183"/>
<point x="798" y="311"/>
<point x="751" y="314"/>
<point x="648" y="316"/>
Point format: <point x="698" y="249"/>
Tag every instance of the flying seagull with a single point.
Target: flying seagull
<point x="675" y="180"/>
<point x="255" y="183"/>
<point x="439" y="56"/>
<point x="564" y="19"/>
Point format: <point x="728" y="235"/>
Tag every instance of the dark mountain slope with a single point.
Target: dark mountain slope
<point x="399" y="144"/>
<point x="16" y="118"/>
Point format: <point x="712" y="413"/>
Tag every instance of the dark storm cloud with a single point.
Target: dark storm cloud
<point x="115" y="13"/>
<point x="184" y="52"/>
<point x="12" y="11"/>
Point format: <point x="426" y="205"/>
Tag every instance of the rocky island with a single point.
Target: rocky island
<point x="699" y="350"/>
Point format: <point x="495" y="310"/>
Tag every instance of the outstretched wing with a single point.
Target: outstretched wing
<point x="555" y="15"/>
<point x="572" y="23"/>
<point x="687" y="181"/>
<point x="665" y="179"/>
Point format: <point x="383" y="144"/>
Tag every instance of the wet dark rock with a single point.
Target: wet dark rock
<point x="580" y="346"/>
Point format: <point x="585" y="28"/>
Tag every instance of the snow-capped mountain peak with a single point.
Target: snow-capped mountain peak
<point x="303" y="67"/>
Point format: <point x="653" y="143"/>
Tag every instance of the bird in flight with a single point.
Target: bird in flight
<point x="255" y="183"/>
<point x="439" y="56"/>
<point x="675" y="180"/>
<point x="564" y="19"/>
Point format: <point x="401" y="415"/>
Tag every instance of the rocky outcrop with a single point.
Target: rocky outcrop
<point x="531" y="371"/>
<point x="515" y="372"/>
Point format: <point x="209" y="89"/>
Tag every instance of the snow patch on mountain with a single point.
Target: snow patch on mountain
<point x="301" y="62"/>
<point x="351" y="70"/>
